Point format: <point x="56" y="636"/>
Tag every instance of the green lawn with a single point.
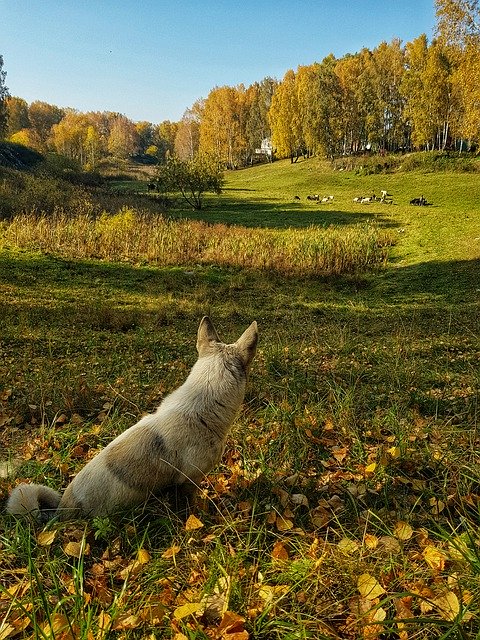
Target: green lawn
<point x="354" y="461"/>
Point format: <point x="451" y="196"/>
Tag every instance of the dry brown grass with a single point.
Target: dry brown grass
<point x="140" y="237"/>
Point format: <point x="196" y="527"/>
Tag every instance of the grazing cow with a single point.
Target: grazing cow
<point x="327" y="199"/>
<point x="316" y="197"/>
<point x="296" y="197"/>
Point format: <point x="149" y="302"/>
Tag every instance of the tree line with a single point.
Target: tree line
<point x="422" y="95"/>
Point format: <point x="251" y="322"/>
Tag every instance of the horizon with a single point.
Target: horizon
<point x="153" y="64"/>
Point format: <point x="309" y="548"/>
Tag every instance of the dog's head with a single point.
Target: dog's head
<point x="245" y="347"/>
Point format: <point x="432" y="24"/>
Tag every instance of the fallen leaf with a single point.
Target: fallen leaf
<point x="448" y="606"/>
<point x="390" y="544"/>
<point x="76" y="549"/>
<point x="284" y="524"/>
<point x="46" y="538"/>
<point x="104" y="620"/>
<point x="371" y="541"/>
<point x="128" y="621"/>
<point x="348" y="546"/>
<point x="143" y="556"/>
<point x="232" y="627"/>
<point x="193" y="523"/>
<point x="435" y="558"/>
<point x="279" y="552"/>
<point x="186" y="610"/>
<point x="370" y="469"/>
<point x="369" y="587"/>
<point x="6" y="630"/>
<point x="402" y="530"/>
<point x="171" y="552"/>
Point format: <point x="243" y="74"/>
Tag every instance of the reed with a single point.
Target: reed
<point x="138" y="237"/>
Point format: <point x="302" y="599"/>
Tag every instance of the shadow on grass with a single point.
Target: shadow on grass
<point x="82" y="281"/>
<point x="280" y="214"/>
<point x="451" y="281"/>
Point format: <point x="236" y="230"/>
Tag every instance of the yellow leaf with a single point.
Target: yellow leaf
<point x="437" y="506"/>
<point x="6" y="630"/>
<point x="435" y="558"/>
<point x="143" y="556"/>
<point x="348" y="546"/>
<point x="45" y="538"/>
<point x="369" y="587"/>
<point x="187" y="610"/>
<point x="369" y="469"/>
<point x="371" y="541"/>
<point x="402" y="530"/>
<point x="379" y="615"/>
<point x="284" y="524"/>
<point x="104" y="620"/>
<point x="193" y="523"/>
<point x="448" y="606"/>
<point x="171" y="552"/>
<point x="128" y="621"/>
<point x="75" y="549"/>
<point x="394" y="452"/>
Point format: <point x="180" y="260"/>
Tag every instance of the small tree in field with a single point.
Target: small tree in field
<point x="192" y="178"/>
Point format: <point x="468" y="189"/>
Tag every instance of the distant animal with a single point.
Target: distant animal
<point x="368" y="199"/>
<point x="296" y="197"/>
<point x="420" y="202"/>
<point x="386" y="197"/>
<point x="175" y="446"/>
<point x="315" y="197"/>
<point x="327" y="199"/>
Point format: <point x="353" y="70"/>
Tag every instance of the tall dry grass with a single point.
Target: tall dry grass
<point x="140" y="237"/>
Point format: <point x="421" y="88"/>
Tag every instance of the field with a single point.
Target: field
<point x="348" y="500"/>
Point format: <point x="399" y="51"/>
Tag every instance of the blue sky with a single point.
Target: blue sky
<point x="152" y="59"/>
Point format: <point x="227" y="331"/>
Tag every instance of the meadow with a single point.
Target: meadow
<point x="348" y="499"/>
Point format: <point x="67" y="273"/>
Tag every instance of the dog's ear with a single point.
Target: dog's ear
<point x="247" y="344"/>
<point x="206" y="335"/>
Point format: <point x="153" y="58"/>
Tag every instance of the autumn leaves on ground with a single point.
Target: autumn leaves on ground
<point x="347" y="502"/>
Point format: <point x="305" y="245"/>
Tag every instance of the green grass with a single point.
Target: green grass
<point x="361" y="413"/>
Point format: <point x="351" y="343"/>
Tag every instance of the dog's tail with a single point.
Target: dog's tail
<point x="35" y="500"/>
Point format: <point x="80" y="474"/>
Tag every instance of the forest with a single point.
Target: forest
<point x="422" y="95"/>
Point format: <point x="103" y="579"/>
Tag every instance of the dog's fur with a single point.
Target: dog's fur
<point x="175" y="446"/>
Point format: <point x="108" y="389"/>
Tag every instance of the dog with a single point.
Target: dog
<point x="176" y="446"/>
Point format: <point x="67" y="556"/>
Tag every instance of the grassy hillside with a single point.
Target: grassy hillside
<point x="348" y="499"/>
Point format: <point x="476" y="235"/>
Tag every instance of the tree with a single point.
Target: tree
<point x="145" y="135"/>
<point x="284" y="118"/>
<point x="42" y="117"/>
<point x="458" y="21"/>
<point x="388" y="65"/>
<point x="222" y="128"/>
<point x="466" y="89"/>
<point x="187" y="138"/>
<point x="123" y="139"/>
<point x="427" y="87"/>
<point x="258" y="101"/>
<point x="348" y="70"/>
<point x="192" y="178"/>
<point x="17" y="113"/>
<point x="69" y="136"/>
<point x="3" y="100"/>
